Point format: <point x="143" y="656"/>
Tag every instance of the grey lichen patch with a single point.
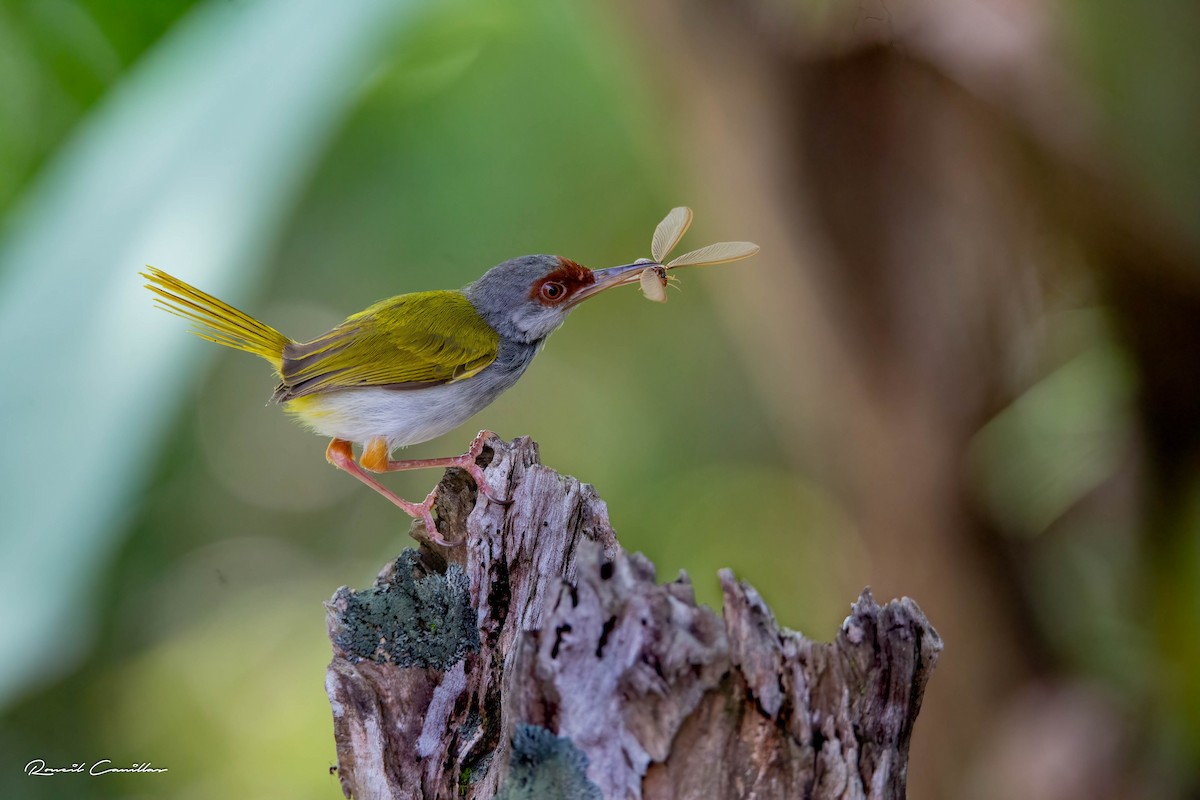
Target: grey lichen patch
<point x="412" y="617"/>
<point x="546" y="766"/>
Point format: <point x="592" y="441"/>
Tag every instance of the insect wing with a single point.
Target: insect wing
<point x="670" y="231"/>
<point x="653" y="282"/>
<point x="718" y="253"/>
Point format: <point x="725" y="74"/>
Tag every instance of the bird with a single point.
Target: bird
<point x="409" y="368"/>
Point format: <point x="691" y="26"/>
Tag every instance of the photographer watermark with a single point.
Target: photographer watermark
<point x="104" y="766"/>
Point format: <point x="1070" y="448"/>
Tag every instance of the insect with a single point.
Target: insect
<point x="654" y="278"/>
<point x="654" y="283"/>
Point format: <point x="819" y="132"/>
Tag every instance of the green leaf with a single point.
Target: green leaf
<point x="192" y="164"/>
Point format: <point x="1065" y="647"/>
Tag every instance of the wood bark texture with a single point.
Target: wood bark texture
<point x="539" y="660"/>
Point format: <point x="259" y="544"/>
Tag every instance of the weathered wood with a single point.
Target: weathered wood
<point x="539" y="660"/>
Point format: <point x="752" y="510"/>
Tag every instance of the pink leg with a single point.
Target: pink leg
<point x="340" y="454"/>
<point x="375" y="458"/>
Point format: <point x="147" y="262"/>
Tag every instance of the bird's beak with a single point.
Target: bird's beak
<point x="608" y="278"/>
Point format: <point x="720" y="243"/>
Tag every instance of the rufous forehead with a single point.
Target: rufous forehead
<point x="571" y="275"/>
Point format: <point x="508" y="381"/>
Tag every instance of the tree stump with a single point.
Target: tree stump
<point x="539" y="660"/>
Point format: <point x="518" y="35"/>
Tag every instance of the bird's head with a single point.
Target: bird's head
<point x="527" y="298"/>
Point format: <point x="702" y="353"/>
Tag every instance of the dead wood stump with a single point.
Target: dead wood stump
<point x="539" y="660"/>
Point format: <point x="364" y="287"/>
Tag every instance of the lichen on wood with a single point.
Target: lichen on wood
<point x="414" y="616"/>
<point x="583" y="677"/>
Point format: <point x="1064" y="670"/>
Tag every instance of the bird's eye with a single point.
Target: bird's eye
<point x="553" y="291"/>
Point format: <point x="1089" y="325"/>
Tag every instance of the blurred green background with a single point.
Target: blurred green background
<point x="964" y="367"/>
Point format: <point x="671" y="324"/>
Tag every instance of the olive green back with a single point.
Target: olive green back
<point x="405" y="342"/>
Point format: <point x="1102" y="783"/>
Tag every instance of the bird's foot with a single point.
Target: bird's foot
<point x="424" y="512"/>
<point x="469" y="461"/>
<point x="341" y="455"/>
<point x="375" y="458"/>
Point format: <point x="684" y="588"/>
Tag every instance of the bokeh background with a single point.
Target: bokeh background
<point x="963" y="368"/>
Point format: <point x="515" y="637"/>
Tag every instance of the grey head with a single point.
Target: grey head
<point x="526" y="299"/>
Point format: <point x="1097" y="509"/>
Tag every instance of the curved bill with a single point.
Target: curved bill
<point x="612" y="276"/>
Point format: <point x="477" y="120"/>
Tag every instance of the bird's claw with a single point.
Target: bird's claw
<point x="469" y="463"/>
<point x="477" y="474"/>
<point x="425" y="514"/>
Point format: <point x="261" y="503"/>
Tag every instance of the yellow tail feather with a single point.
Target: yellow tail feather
<point x="220" y="322"/>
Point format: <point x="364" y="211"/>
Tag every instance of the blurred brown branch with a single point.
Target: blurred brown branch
<point x="540" y="660"/>
<point x="936" y="186"/>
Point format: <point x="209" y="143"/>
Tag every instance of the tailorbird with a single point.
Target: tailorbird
<point x="415" y="366"/>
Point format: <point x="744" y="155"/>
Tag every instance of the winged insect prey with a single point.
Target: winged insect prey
<point x="654" y="279"/>
<point x="653" y="282"/>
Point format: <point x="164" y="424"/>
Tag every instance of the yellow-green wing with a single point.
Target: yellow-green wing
<point x="406" y="342"/>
